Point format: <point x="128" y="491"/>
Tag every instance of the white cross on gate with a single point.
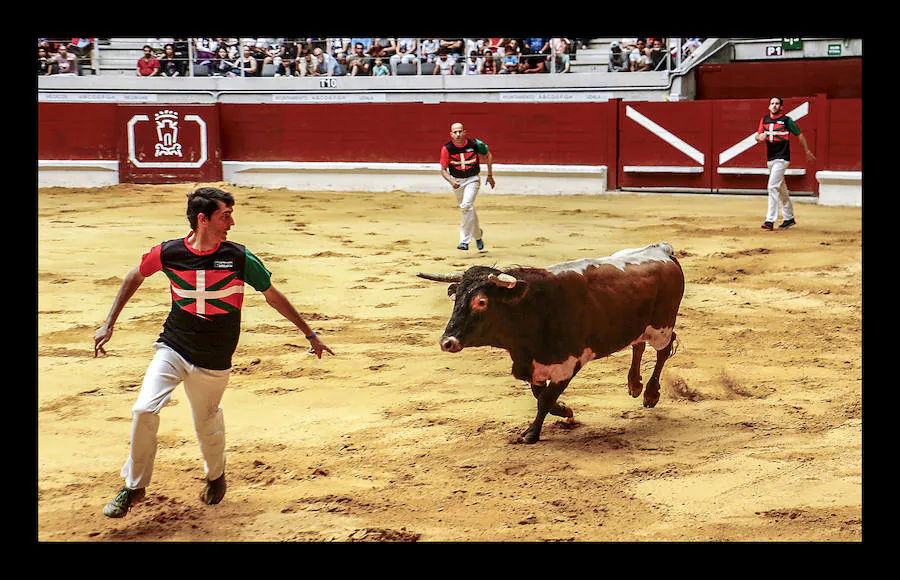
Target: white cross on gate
<point x="771" y="132"/>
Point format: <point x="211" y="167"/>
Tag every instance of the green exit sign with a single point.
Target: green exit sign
<point x="834" y="50"/>
<point x="792" y="43"/>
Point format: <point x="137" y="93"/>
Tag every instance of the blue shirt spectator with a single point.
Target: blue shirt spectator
<point x="366" y="42"/>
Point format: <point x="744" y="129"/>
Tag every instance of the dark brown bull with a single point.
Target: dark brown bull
<point x="553" y="321"/>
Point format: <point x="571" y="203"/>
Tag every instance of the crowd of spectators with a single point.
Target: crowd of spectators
<point x="648" y="54"/>
<point x="66" y="56"/>
<point x="290" y="57"/>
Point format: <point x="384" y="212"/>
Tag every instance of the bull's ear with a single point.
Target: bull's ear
<point x="451" y="290"/>
<point x="515" y="293"/>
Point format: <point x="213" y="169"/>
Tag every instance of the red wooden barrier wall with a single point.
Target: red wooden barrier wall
<point x="616" y="134"/>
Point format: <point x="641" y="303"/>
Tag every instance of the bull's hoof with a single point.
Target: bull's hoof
<point x="651" y="401"/>
<point x="529" y="437"/>
<point x="634" y="389"/>
<point x="561" y="410"/>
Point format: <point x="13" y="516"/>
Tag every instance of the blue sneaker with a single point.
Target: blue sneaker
<point x="462" y="247"/>
<point x="479" y="243"/>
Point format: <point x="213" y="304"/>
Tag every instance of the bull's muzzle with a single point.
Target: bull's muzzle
<point x="450" y="344"/>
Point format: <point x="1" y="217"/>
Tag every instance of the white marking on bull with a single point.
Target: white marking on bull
<point x="658" y="338"/>
<point x="560" y="371"/>
<point x="660" y="252"/>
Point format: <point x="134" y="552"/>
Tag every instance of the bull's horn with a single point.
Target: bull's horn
<point x="504" y="280"/>
<point x="441" y="277"/>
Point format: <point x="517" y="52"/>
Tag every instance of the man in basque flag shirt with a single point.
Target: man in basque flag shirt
<point x="207" y="275"/>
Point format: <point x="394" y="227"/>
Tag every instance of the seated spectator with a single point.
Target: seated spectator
<point x="366" y="42"/>
<point x="639" y="60"/>
<point x="379" y="69"/>
<point x="473" y="64"/>
<point x="180" y="49"/>
<point x="383" y="48"/>
<point x="340" y="67"/>
<point x="306" y="63"/>
<point x="453" y="46"/>
<point x="45" y="66"/>
<point x="330" y="61"/>
<point x="338" y="46"/>
<point x="147" y="65"/>
<point x="406" y="53"/>
<point x="561" y="63"/>
<point x="248" y="64"/>
<point x="223" y="65"/>
<point x="510" y="64"/>
<point x="657" y="55"/>
<point x="205" y="49"/>
<point x="430" y="49"/>
<point x="537" y="46"/>
<point x="320" y="65"/>
<point x="64" y="62"/>
<point x="271" y="53"/>
<point x="618" y="59"/>
<point x="533" y="63"/>
<point x="444" y="64"/>
<point x="231" y="45"/>
<point x="358" y="62"/>
<point x="285" y="64"/>
<point x="169" y="64"/>
<point x="83" y="49"/>
<point x="488" y="64"/>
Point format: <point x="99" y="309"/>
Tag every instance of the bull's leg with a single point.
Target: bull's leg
<point x="559" y="408"/>
<point x="546" y="400"/>
<point x="651" y="395"/>
<point x="634" y="373"/>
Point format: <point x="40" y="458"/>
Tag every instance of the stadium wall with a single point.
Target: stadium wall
<point x="540" y="147"/>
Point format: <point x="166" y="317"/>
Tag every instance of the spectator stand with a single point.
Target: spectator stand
<point x="117" y="55"/>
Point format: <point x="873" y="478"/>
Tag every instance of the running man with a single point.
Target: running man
<point x="460" y="167"/>
<point x="775" y="129"/>
<point x="207" y="275"/>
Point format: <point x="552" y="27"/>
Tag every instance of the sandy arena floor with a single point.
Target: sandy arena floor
<point x="757" y="436"/>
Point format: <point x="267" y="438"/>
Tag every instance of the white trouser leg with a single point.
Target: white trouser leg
<point x="204" y="389"/>
<point x="165" y="372"/>
<point x="778" y="191"/>
<point x="469" y="228"/>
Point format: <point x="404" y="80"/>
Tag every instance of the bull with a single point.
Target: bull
<point x="552" y="321"/>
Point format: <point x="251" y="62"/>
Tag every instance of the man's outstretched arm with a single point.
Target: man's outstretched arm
<point x="279" y="302"/>
<point x="130" y="284"/>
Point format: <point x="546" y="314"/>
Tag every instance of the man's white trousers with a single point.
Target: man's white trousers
<point x="469" y="228"/>
<point x="778" y="191"/>
<point x="204" y="389"/>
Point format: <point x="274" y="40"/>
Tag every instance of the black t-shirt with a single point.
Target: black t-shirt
<point x="207" y="290"/>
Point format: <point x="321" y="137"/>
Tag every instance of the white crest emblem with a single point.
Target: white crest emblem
<point x="167" y="133"/>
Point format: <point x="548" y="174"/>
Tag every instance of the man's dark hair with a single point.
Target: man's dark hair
<point x="205" y="200"/>
<point x="780" y="100"/>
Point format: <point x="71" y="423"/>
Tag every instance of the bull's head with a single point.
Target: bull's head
<point x="484" y="299"/>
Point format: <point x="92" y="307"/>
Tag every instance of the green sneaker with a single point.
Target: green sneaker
<point x="120" y="504"/>
<point x="215" y="491"/>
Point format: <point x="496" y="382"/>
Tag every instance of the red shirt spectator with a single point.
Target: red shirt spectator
<point x="148" y="65"/>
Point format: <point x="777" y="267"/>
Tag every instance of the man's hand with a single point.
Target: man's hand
<point x="454" y="184"/>
<point x="101" y="337"/>
<point x="810" y="156"/>
<point x="490" y="180"/>
<point x="317" y="346"/>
